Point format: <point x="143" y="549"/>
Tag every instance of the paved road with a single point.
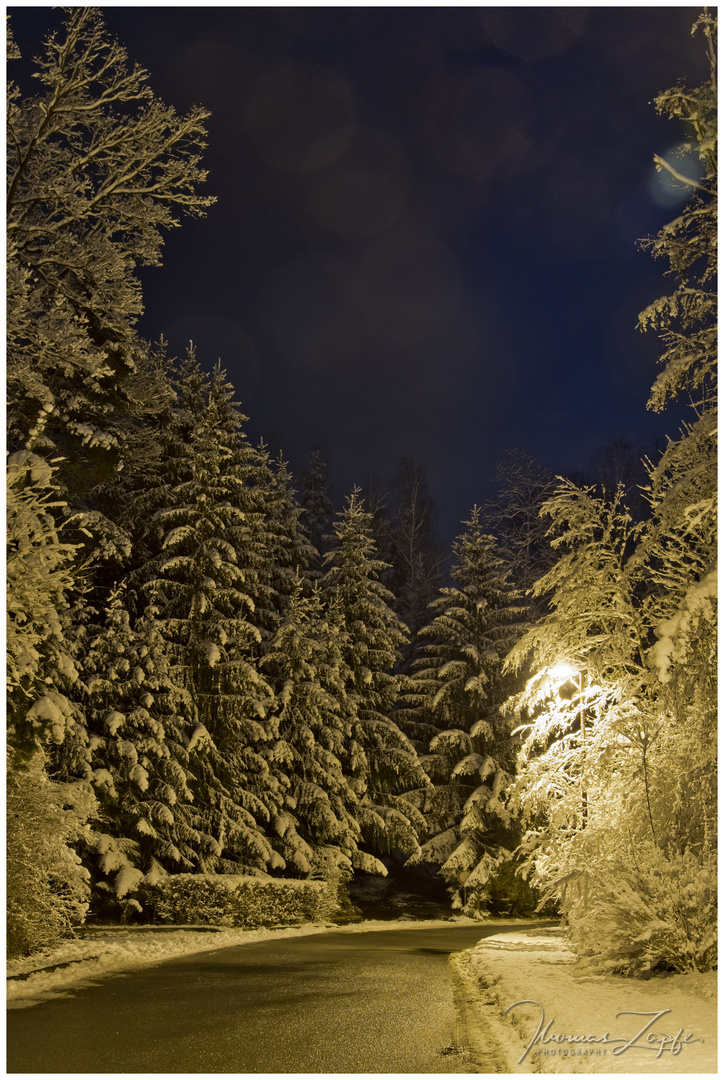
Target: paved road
<point x="381" y="1001"/>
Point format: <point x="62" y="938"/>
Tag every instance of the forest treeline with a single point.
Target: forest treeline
<point x="213" y="670"/>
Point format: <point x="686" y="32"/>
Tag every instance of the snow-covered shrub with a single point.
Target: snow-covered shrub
<point x="47" y="887"/>
<point x="645" y="912"/>
<point x="235" y="900"/>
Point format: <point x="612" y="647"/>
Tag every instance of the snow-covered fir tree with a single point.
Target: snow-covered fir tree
<point x="378" y="753"/>
<point x="102" y="504"/>
<point x="679" y="551"/>
<point x="310" y="736"/>
<point x="456" y="693"/>
<point x="140" y="724"/>
<point x="681" y="543"/>
<point x="318" y="510"/>
<point x="273" y="518"/>
<point x="202" y="560"/>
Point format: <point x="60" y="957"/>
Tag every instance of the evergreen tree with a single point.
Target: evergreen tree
<point x="273" y="519"/>
<point x="203" y="559"/>
<point x="140" y="724"/>
<point x="102" y="500"/>
<point x="380" y="755"/>
<point x="310" y="735"/>
<point x="679" y="550"/>
<point x="686" y="320"/>
<point x="458" y="688"/>
<point x="318" y="510"/>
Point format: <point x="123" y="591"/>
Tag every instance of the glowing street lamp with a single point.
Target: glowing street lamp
<point x="564" y="671"/>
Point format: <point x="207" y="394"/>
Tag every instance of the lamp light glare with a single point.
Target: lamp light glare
<point x="564" y="671"/>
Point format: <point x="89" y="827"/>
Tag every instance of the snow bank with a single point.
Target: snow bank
<point x="582" y="1023"/>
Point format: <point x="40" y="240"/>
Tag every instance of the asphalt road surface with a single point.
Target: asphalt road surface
<point x="381" y="1001"/>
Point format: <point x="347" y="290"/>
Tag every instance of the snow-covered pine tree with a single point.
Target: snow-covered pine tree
<point x="310" y="737"/>
<point x="284" y="553"/>
<point x="140" y="724"/>
<point x="686" y="320"/>
<point x="457" y="686"/>
<point x="379" y="753"/>
<point x="203" y="563"/>
<point x="102" y="503"/>
<point x="318" y="511"/>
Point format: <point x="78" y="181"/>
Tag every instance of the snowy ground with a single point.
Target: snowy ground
<point x="531" y="964"/>
<point x="536" y="965"/>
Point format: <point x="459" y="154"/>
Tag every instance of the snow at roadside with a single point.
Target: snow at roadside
<point x="102" y="953"/>
<point x="537" y="966"/>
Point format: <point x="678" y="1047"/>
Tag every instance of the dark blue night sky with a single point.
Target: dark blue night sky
<point x="425" y="236"/>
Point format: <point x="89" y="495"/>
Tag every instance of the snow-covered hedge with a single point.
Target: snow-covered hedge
<point x="235" y="900"/>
